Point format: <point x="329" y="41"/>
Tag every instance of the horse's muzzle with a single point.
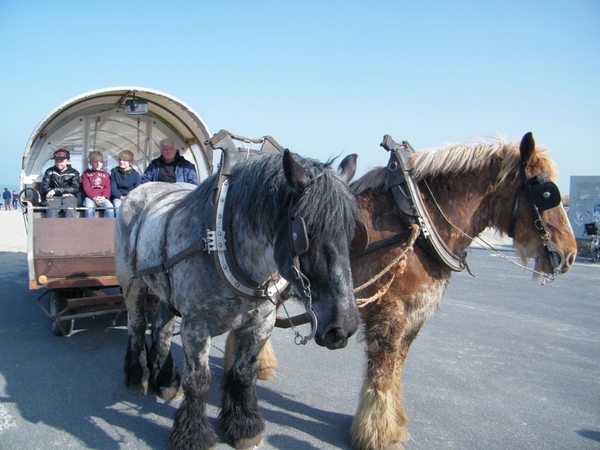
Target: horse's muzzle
<point x="569" y="261"/>
<point x="333" y="338"/>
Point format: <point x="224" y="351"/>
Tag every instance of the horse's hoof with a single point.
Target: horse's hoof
<point x="397" y="445"/>
<point x="248" y="444"/>
<point x="138" y="389"/>
<point x="266" y="374"/>
<point x="170" y="393"/>
<point x="393" y="446"/>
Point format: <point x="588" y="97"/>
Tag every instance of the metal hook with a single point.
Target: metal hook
<point x="247" y="148"/>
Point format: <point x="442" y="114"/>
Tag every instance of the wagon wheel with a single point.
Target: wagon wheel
<point x="58" y="302"/>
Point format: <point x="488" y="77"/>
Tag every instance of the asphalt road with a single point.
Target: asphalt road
<point x="504" y="364"/>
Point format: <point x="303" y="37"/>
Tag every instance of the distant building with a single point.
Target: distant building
<point x="584" y="203"/>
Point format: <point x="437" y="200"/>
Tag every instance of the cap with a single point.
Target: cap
<point x="62" y="154"/>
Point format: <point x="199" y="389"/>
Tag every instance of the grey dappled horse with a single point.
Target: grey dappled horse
<point x="159" y="220"/>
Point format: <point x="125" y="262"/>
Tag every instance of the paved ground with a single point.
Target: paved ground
<point x="505" y="364"/>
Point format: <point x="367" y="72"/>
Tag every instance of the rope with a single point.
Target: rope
<point x="381" y="292"/>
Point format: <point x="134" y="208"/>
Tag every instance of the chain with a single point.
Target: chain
<point x="100" y="342"/>
<point x="307" y="296"/>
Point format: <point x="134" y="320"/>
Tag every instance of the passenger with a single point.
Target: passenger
<point x="123" y="179"/>
<point x="15" y="199"/>
<point x="95" y="183"/>
<point x="60" y="185"/>
<point x="7" y="199"/>
<point x="170" y="167"/>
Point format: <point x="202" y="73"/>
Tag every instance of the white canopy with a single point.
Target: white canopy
<point x="98" y="121"/>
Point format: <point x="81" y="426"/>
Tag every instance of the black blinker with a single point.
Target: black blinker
<point x="299" y="235"/>
<point x="545" y="195"/>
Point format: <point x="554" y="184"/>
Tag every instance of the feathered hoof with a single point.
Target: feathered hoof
<point x="266" y="374"/>
<point x="170" y="392"/>
<point x="248" y="444"/>
<point x="138" y="389"/>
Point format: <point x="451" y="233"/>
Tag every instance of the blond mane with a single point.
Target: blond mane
<point x="459" y="159"/>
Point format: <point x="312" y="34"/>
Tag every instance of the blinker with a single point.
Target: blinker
<point x="299" y="235"/>
<point x="545" y="195"/>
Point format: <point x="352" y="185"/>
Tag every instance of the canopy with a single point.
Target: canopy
<point x="112" y="120"/>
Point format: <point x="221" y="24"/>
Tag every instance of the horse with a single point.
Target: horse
<point x="400" y="284"/>
<point x="162" y="236"/>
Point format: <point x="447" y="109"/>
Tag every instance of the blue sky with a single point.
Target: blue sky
<point x="322" y="77"/>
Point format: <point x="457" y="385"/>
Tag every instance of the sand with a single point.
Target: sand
<point x="14" y="235"/>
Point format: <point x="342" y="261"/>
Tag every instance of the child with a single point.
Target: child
<point x="95" y="183"/>
<point x="60" y="186"/>
<point x="123" y="179"/>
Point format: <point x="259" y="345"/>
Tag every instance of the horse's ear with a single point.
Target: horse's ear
<point x="527" y="147"/>
<point x="347" y="167"/>
<point x="295" y="174"/>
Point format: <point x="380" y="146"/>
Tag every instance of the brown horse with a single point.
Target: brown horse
<point x="465" y="189"/>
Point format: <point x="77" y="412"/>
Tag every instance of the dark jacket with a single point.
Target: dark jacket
<point x="65" y="182"/>
<point x="6" y="195"/>
<point x="122" y="184"/>
<point x="185" y="171"/>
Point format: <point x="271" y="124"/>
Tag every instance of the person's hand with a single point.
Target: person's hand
<point x="99" y="200"/>
<point x="67" y="195"/>
<point x="50" y="193"/>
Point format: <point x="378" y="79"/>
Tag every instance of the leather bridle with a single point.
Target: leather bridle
<point x="543" y="195"/>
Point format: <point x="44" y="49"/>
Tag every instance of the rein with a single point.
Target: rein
<point x="487" y="246"/>
<point x="361" y="302"/>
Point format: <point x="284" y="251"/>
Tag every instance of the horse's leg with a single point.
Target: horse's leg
<point x="164" y="379"/>
<point x="380" y="420"/>
<point x="136" y="362"/>
<point x="191" y="428"/>
<point x="267" y="361"/>
<point x="241" y="420"/>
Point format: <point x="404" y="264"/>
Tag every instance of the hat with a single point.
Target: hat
<point x="62" y="154"/>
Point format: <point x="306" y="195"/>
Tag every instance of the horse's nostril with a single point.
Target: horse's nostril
<point x="335" y="338"/>
<point x="569" y="261"/>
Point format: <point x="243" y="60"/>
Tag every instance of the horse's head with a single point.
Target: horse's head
<point x="539" y="225"/>
<point x="312" y="245"/>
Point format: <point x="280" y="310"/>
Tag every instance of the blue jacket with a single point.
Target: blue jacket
<point x="121" y="184"/>
<point x="185" y="171"/>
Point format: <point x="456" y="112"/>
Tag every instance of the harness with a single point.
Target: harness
<point x="542" y="195"/>
<point x="412" y="209"/>
<point x="166" y="262"/>
<point x="215" y="242"/>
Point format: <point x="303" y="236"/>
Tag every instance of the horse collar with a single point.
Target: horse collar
<point x="411" y="207"/>
<point x="227" y="268"/>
